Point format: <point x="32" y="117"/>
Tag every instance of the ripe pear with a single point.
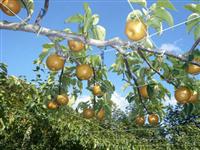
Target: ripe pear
<point x="193" y="69"/>
<point x="182" y="94"/>
<point x="10" y="7"/>
<point x="135" y="29"/>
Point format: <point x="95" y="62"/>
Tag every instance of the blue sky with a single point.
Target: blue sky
<point x="19" y="49"/>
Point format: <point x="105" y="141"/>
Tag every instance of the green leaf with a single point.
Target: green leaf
<point x="153" y="7"/>
<point x="142" y="73"/>
<point x="2" y="125"/>
<point x="134" y="68"/>
<point x="197" y="32"/>
<point x="155" y="23"/>
<point x="48" y="46"/>
<point x="166" y="70"/>
<point x="88" y="21"/>
<point x="195" y="8"/>
<point x="139" y="2"/>
<point x="29" y="4"/>
<point x="165" y="4"/>
<point x="87" y="9"/>
<point x="83" y="105"/>
<point x="163" y="14"/>
<point x="95" y="60"/>
<point x="147" y="43"/>
<point x="80" y="84"/>
<point x="78" y="18"/>
<point x="134" y="14"/>
<point x="87" y="25"/>
<point x="192" y="21"/>
<point x="130" y="97"/>
<point x="3" y="68"/>
<point x="188" y="108"/>
<point x="67" y="30"/>
<point x="41" y="57"/>
<point x="125" y="86"/>
<point x="95" y="19"/>
<point x="150" y="90"/>
<point x="99" y="32"/>
<point x="108" y="87"/>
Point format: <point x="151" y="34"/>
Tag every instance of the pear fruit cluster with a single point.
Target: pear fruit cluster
<point x="61" y="100"/>
<point x="153" y="120"/>
<point x="89" y="113"/>
<point x="54" y="62"/>
<point x="184" y="95"/>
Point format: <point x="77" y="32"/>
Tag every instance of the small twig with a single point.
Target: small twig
<point x="194" y="45"/>
<point x="94" y="100"/>
<point x="60" y="81"/>
<point x="156" y="71"/>
<point x="94" y="72"/>
<point x="102" y="57"/>
<point x="129" y="82"/>
<point x="42" y="12"/>
<point x="29" y="15"/>
<point x="181" y="58"/>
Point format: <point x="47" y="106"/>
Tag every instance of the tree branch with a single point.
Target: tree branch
<point x="93" y="42"/>
<point x="156" y="71"/>
<point x="181" y="58"/>
<point x="94" y="100"/>
<point x="42" y="12"/>
<point x="132" y="76"/>
<point x="136" y="83"/>
<point x="194" y="45"/>
<point x="128" y="82"/>
<point x="60" y="81"/>
<point x="29" y="15"/>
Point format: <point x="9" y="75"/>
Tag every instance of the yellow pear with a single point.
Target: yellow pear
<point x="135" y="29"/>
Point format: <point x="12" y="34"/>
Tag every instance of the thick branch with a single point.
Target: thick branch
<point x="156" y="71"/>
<point x="58" y="34"/>
<point x="93" y="42"/>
